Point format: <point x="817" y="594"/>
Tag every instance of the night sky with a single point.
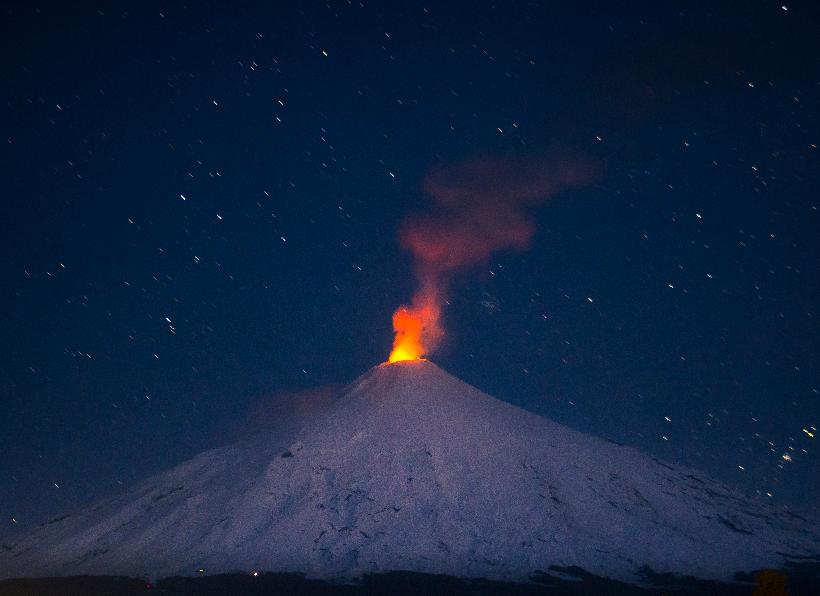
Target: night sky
<point x="200" y="207"/>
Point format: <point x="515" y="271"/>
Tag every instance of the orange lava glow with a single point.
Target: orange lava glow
<point x="417" y="330"/>
<point x="407" y="343"/>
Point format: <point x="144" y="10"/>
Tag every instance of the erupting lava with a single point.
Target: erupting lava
<point x="407" y="343"/>
<point x="416" y="328"/>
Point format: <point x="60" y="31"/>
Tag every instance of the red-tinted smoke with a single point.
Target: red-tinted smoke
<point x="481" y="206"/>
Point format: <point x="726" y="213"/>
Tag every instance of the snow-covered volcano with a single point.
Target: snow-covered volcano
<point x="412" y="469"/>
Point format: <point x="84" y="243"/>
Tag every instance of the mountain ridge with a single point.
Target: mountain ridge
<point x="411" y="469"/>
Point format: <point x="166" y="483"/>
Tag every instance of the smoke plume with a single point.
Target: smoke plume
<point x="480" y="206"/>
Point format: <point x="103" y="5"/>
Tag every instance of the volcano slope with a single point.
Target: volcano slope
<point x="411" y="469"/>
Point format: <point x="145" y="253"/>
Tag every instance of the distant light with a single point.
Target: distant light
<point x="255" y="573"/>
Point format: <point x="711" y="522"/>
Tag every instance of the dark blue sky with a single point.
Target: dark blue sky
<point x="200" y="206"/>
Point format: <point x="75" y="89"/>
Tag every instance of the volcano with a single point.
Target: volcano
<point x="412" y="469"/>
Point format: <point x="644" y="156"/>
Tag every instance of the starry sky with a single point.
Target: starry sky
<point x="200" y="206"/>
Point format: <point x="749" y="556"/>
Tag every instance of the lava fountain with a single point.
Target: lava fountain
<point x="416" y="328"/>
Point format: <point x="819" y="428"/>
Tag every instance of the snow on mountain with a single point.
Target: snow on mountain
<point x="412" y="469"/>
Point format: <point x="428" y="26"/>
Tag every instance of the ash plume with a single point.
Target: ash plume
<point x="480" y="206"/>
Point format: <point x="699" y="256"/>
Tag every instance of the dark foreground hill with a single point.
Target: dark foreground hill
<point x="765" y="583"/>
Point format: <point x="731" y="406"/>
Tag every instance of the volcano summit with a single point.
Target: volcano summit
<point x="412" y="469"/>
